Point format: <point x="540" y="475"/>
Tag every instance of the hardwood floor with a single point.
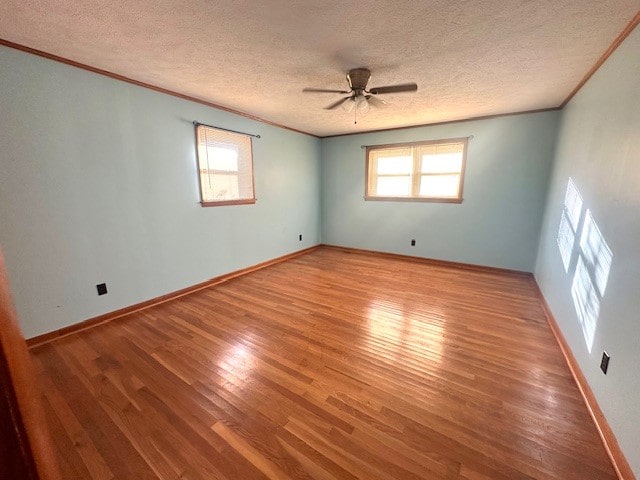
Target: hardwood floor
<point x="333" y="365"/>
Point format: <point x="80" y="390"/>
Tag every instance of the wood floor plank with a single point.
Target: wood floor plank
<point x="332" y="365"/>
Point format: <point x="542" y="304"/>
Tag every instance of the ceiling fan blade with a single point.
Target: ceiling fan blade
<point x="336" y="104"/>
<point x="375" y="101"/>
<point x="324" y="90"/>
<point x="405" y="87"/>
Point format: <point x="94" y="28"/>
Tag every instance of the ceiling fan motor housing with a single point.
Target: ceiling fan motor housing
<point x="358" y="78"/>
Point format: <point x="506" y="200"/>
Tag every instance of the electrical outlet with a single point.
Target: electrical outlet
<point x="604" y="363"/>
<point x="102" y="288"/>
<point x="300" y="237"/>
<point x="413" y="243"/>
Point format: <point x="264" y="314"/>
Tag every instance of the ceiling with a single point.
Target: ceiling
<point x="470" y="58"/>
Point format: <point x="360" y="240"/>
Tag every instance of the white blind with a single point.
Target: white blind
<point x="431" y="170"/>
<point x="225" y="163"/>
<point x="392" y="170"/>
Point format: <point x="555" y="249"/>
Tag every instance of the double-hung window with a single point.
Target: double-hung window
<point x="225" y="166"/>
<point x="421" y="171"/>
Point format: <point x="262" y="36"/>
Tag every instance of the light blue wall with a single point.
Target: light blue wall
<point x="508" y="163"/>
<point x="98" y="183"/>
<point x="599" y="149"/>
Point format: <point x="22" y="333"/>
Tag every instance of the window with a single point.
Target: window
<point x="424" y="171"/>
<point x="225" y="165"/>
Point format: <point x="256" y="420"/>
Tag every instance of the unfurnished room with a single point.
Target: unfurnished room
<point x="379" y="240"/>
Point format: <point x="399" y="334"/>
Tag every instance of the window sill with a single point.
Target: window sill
<point x="245" y="201"/>
<point x="414" y="199"/>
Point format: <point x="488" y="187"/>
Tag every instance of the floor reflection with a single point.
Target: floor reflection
<point x="238" y="361"/>
<point x="403" y="332"/>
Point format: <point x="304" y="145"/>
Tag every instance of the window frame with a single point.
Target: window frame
<point x="416" y="173"/>
<point x="221" y="203"/>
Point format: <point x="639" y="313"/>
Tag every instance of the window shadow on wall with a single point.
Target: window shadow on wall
<point x="585" y="255"/>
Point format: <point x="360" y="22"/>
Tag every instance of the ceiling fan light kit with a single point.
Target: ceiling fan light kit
<point x="358" y="98"/>
<point x="348" y="105"/>
<point x="359" y="103"/>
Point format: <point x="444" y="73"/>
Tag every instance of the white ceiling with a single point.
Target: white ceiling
<point x="469" y="58"/>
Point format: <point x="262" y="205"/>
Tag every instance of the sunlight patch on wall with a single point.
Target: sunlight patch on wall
<point x="586" y="302"/>
<point x="590" y="278"/>
<point x="566" y="239"/>
<point x="569" y="223"/>
<point x="594" y="258"/>
<point x="597" y="254"/>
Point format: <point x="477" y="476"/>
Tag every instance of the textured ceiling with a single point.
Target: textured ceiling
<point x="469" y="58"/>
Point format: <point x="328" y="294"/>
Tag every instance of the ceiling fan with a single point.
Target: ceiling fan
<point x="358" y="96"/>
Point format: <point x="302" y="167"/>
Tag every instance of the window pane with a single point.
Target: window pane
<point x="430" y="170"/>
<point x="439" y="185"/>
<point x="441" y="163"/>
<point x="221" y="187"/>
<point x="223" y="158"/>
<point x="393" y="186"/>
<point x="395" y="165"/>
